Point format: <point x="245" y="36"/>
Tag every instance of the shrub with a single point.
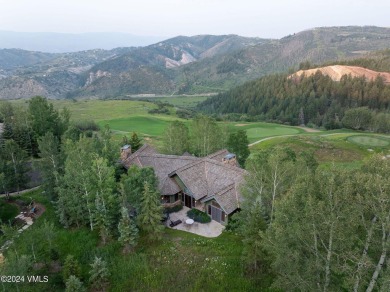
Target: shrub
<point x="198" y="216"/>
<point x="85" y="125"/>
<point x="176" y="208"/>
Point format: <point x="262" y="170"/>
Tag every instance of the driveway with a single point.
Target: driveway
<point x="211" y="229"/>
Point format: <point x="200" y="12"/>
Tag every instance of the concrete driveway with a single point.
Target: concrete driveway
<point x="211" y="229"/>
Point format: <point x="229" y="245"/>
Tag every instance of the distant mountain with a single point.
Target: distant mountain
<point x="67" y="42"/>
<point x="316" y="46"/>
<point x="51" y="75"/>
<point x="235" y="63"/>
<point x="198" y="64"/>
<point x="12" y="58"/>
<point x="152" y="69"/>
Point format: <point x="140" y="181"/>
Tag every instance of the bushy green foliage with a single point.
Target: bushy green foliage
<point x="132" y="184"/>
<point x="238" y="144"/>
<point x="7" y="211"/>
<point x="198" y="216"/>
<point x="206" y="136"/>
<point x="44" y="118"/>
<point x="176" y="138"/>
<point x="51" y="164"/>
<point x="185" y="113"/>
<point x="13" y="167"/>
<point x="86" y="125"/>
<point x="357" y="118"/>
<point x="174" y="209"/>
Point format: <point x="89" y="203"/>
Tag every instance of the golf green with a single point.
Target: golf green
<point x="369" y="141"/>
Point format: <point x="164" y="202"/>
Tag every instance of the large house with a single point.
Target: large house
<point x="210" y="184"/>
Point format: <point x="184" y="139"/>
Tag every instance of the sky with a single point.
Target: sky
<point x="256" y="18"/>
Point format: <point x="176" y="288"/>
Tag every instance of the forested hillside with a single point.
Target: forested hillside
<point x="314" y="99"/>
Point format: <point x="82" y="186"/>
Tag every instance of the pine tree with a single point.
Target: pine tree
<point x="73" y="284"/>
<point x="135" y="142"/>
<point x="71" y="267"/>
<point x="99" y="274"/>
<point x="128" y="230"/>
<point x="150" y="216"/>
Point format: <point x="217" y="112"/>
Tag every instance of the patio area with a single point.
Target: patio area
<point x="211" y="229"/>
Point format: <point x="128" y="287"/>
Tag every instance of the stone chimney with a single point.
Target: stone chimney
<point x="230" y="159"/>
<point x="125" y="152"/>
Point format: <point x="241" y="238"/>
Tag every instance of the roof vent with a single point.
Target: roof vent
<point x="229" y="156"/>
<point x="127" y="146"/>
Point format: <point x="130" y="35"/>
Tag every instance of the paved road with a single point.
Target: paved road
<point x="292" y="135"/>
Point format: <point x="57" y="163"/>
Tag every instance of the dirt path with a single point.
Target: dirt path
<point x="309" y="130"/>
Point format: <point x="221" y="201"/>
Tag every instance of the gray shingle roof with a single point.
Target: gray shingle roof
<point x="207" y="178"/>
<point x="229" y="198"/>
<point x="218" y="155"/>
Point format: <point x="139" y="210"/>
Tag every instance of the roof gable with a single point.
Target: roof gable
<point x="207" y="177"/>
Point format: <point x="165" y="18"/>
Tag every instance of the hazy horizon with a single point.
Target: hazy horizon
<point x="189" y="17"/>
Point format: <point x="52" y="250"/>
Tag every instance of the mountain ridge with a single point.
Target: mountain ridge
<point x="182" y="64"/>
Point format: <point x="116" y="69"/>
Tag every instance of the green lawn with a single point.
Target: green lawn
<point x="369" y="141"/>
<point x="150" y="125"/>
<point x="99" y="110"/>
<point x="257" y="131"/>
